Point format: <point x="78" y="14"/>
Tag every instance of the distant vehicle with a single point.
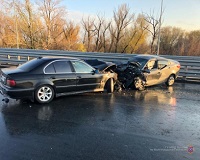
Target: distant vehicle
<point x="156" y="70"/>
<point x="44" y="78"/>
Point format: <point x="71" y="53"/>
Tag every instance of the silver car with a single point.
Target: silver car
<point x="159" y="70"/>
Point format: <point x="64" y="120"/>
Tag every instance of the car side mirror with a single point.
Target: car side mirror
<point x="95" y="71"/>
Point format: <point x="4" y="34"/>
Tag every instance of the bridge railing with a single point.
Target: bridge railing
<point x="190" y="65"/>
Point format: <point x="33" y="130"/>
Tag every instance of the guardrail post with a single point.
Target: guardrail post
<point x="18" y="58"/>
<point x="185" y="76"/>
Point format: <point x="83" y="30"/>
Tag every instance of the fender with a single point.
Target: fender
<point x="44" y="82"/>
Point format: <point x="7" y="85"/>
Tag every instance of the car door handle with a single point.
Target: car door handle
<point x="78" y="77"/>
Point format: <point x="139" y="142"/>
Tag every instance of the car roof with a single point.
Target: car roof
<point x="148" y="57"/>
<point x="57" y="58"/>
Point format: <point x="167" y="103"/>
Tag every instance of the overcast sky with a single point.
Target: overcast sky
<point x="179" y="13"/>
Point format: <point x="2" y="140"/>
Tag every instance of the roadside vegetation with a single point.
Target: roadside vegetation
<point x="45" y="25"/>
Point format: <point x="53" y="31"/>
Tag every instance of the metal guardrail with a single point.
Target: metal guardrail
<point x="190" y="65"/>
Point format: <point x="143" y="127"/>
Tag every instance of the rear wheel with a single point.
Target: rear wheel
<point x="170" y="80"/>
<point x="110" y="85"/>
<point x="44" y="94"/>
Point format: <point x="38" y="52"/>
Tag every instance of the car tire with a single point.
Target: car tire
<point x="44" y="94"/>
<point x="110" y="85"/>
<point x="170" y="81"/>
<point x="138" y="84"/>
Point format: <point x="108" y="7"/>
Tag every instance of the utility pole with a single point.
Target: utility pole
<point x="16" y="25"/>
<point x="160" y="19"/>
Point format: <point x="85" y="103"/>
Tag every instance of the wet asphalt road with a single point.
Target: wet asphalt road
<point x="159" y="123"/>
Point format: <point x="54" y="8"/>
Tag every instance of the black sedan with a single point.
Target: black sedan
<point x="44" y="78"/>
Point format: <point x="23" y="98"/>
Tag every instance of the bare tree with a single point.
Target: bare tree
<point x="192" y="43"/>
<point x="71" y="36"/>
<point x="170" y="40"/>
<point x="28" y="23"/>
<point x="135" y="35"/>
<point x="89" y="32"/>
<point x="122" y="18"/>
<point x="53" y="16"/>
<point x="98" y="31"/>
<point x="112" y="33"/>
<point x="105" y="34"/>
<point x="10" y="35"/>
<point x="153" y="29"/>
<point x="141" y="37"/>
<point x="132" y="34"/>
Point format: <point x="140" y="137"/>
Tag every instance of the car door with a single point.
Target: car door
<point x="60" y="73"/>
<point x="86" y="78"/>
<point x="165" y="69"/>
<point x="154" y="75"/>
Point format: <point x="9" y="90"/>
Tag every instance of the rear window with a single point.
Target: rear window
<point x="58" y="67"/>
<point x="162" y="64"/>
<point x="50" y="69"/>
<point x="28" y="66"/>
<point x="62" y="67"/>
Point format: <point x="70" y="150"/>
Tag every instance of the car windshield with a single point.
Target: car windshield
<point x="28" y="66"/>
<point x="142" y="61"/>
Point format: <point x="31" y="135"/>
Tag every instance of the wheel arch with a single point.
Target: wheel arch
<point x="44" y="97"/>
<point x="107" y="81"/>
<point x="44" y="83"/>
<point x="113" y="77"/>
<point x="48" y="83"/>
<point x="167" y="81"/>
<point x="110" y="85"/>
<point x="173" y="74"/>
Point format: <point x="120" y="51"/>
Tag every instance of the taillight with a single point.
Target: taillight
<point x="11" y="82"/>
<point x="179" y="66"/>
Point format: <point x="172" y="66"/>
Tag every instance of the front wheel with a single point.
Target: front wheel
<point x="110" y="85"/>
<point x="44" y="94"/>
<point x="170" y="80"/>
<point x="139" y="84"/>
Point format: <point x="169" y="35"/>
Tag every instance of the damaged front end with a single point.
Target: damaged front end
<point x="131" y="76"/>
<point x="102" y="66"/>
<point x="127" y="75"/>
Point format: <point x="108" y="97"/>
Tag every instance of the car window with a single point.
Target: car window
<point x="142" y="61"/>
<point x="162" y="64"/>
<point x="81" y="67"/>
<point x="62" y="67"/>
<point x="50" y="69"/>
<point x="28" y="66"/>
<point x="152" y="64"/>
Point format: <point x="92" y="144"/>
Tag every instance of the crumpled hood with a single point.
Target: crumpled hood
<point x="101" y="65"/>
